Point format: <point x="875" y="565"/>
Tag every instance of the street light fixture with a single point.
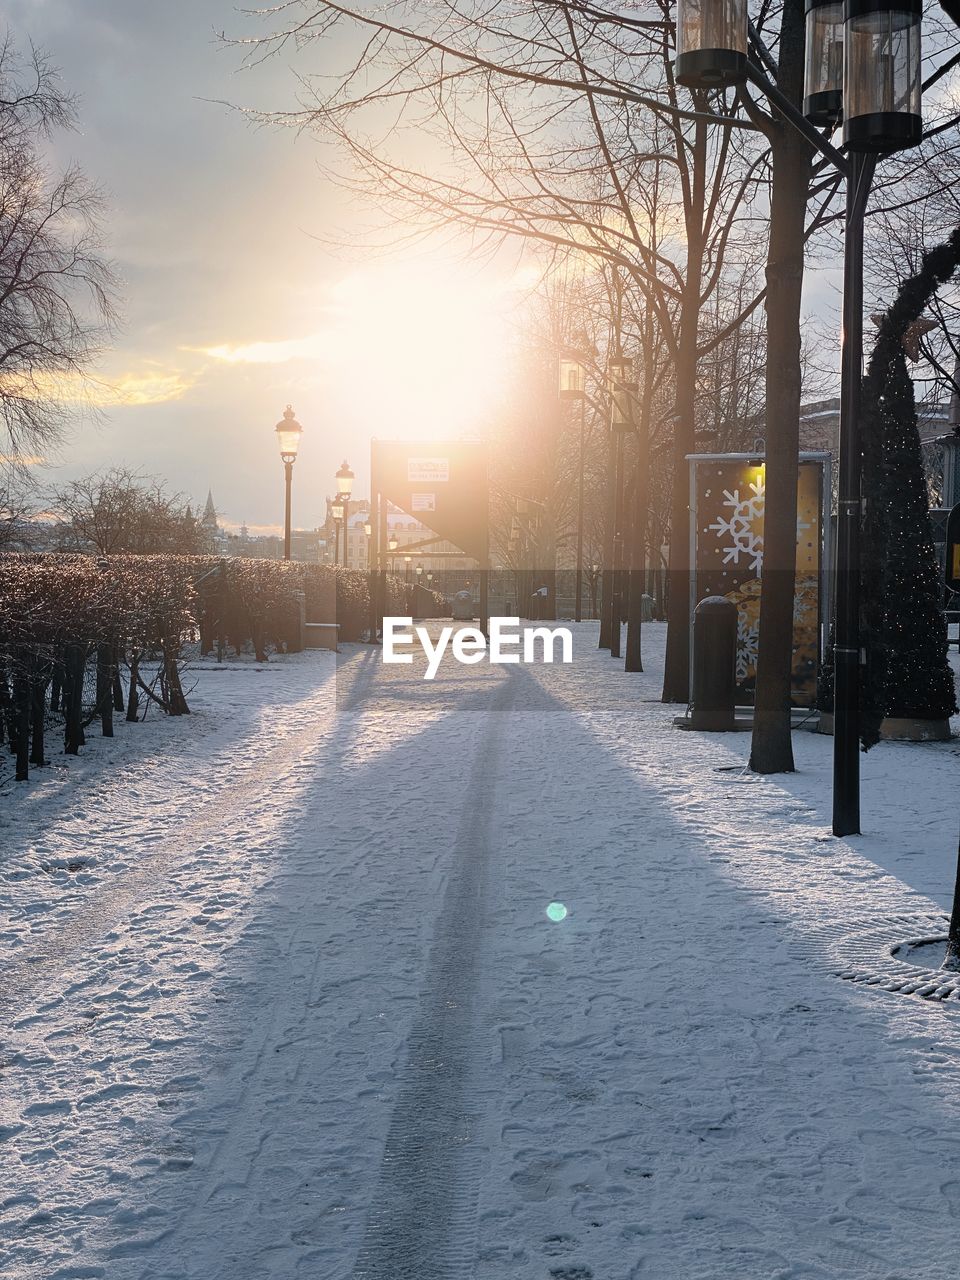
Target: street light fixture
<point x="573" y="378"/>
<point x="711" y="43"/>
<point x="573" y="386"/>
<point x="345" y="480"/>
<point x="881" y="75"/>
<point x="288" y="431"/>
<point x="344" y="490"/>
<point x="619" y="374"/>
<point x="881" y="113"/>
<point x="336" y="512"/>
<point x="823" y="62"/>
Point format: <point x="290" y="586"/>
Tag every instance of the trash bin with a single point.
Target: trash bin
<point x="714" y="665"/>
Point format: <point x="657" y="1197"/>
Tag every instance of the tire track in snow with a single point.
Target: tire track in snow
<point x="31" y="979"/>
<point x="422" y="1220"/>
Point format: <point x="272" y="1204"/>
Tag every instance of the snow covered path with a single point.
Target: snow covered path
<point x="282" y="1000"/>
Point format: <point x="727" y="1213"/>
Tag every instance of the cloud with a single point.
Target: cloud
<point x="311" y="347"/>
<point x="22" y="460"/>
<point x="136" y="387"/>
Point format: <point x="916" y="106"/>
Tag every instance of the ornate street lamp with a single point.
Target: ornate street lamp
<point x="823" y="63"/>
<point x="619" y="375"/>
<point x="288" y="431"/>
<point x="573" y="386"/>
<point x="345" y="480"/>
<point x="336" y="511"/>
<point x="881" y="88"/>
<point x="881" y="75"/>
<point x="344" y="490"/>
<point x="711" y="43"/>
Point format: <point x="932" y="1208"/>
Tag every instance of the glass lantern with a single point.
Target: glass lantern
<point x="823" y="62"/>
<point x="711" y="43"/>
<point x="881" y="76"/>
<point x="620" y="369"/>
<point x="336" y="510"/>
<point x="573" y="379"/>
<point x="288" y="431"/>
<point x="344" y="480"/>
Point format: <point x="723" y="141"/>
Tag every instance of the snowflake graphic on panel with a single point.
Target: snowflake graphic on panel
<point x="737" y="532"/>
<point x="748" y="645"/>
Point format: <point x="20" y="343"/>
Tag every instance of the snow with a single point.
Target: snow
<point x="299" y="1010"/>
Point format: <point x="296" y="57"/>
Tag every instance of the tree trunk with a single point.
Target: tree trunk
<point x="38" y="707"/>
<point x="606" y="577"/>
<point x="175" y="699"/>
<point x="133" y="695"/>
<point x="74" y="662"/>
<point x="56" y="684"/>
<point x="117" y="682"/>
<point x="676" y="667"/>
<point x="21" y="715"/>
<point x="772" y="748"/>
<point x="105" y="687"/>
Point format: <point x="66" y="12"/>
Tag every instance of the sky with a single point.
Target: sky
<point x="234" y="302"/>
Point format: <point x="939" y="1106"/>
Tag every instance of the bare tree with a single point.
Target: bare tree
<point x="119" y="510"/>
<point x="56" y="289"/>
<point x="15" y="508"/>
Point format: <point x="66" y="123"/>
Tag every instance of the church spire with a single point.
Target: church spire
<point x="210" y="511"/>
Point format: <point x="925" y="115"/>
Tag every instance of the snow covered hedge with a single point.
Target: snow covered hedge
<point x="70" y="624"/>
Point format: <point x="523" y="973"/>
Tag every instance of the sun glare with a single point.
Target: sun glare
<point x="421" y="350"/>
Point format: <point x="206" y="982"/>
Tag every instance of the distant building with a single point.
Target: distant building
<point x="416" y="544"/>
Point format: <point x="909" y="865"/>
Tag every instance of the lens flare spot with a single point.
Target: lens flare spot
<point x="556" y="912"/>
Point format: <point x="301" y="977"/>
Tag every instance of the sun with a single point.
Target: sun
<point x="422" y="349"/>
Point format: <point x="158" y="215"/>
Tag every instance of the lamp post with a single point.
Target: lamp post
<point x="344" y="490"/>
<point x="573" y="386"/>
<point x="879" y="94"/>
<point x="392" y="543"/>
<point x="619" y="370"/>
<point x="288" y="431"/>
<point x="336" y="511"/>
<point x="407" y="561"/>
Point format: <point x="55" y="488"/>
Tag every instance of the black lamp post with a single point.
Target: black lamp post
<point x="344" y="490"/>
<point x="573" y="386"/>
<point x="881" y="94"/>
<point x="336" y="511"/>
<point x="288" y="431"/>
<point x="392" y="543"/>
<point x="619" y="371"/>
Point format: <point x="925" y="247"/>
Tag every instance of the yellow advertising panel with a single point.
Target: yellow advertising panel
<point x="728" y="506"/>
